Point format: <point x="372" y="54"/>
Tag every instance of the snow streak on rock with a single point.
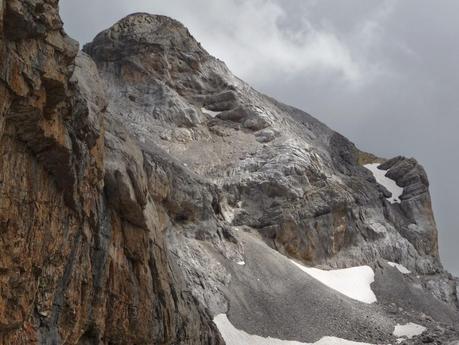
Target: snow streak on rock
<point x="402" y="269"/>
<point x="210" y="112"/>
<point x="390" y="185"/>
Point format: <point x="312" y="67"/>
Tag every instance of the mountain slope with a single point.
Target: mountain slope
<point x="158" y="191"/>
<point x="259" y="152"/>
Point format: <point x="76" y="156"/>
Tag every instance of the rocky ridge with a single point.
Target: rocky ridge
<point x="138" y="173"/>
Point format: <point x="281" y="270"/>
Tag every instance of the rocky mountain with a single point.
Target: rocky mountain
<point x="149" y="196"/>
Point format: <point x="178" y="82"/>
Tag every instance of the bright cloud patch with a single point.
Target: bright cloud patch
<point x="389" y="184"/>
<point x="401" y="268"/>
<point x="409" y="330"/>
<point x="354" y="282"/>
<point x="234" y="336"/>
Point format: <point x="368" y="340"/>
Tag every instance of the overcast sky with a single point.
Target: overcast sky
<point x="382" y="72"/>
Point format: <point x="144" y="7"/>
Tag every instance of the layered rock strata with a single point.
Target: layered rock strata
<point x="137" y="173"/>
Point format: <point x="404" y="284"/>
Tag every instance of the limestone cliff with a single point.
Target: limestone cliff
<point x="137" y="174"/>
<point x="81" y="262"/>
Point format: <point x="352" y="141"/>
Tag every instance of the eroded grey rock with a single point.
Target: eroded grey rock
<point x="182" y="215"/>
<point x="307" y="195"/>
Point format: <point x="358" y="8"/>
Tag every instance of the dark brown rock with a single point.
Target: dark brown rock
<point x="83" y="254"/>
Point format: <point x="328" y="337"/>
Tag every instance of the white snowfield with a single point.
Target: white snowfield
<point x="234" y="336"/>
<point x="409" y="330"/>
<point x="402" y="269"/>
<point x="354" y="282"/>
<point x="389" y="184"/>
<point x="210" y="112"/>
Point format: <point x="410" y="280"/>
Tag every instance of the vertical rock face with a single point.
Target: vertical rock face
<point x="83" y="255"/>
<point x="135" y="174"/>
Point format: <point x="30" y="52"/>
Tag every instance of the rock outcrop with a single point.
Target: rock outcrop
<point x="82" y="217"/>
<point x="137" y="173"/>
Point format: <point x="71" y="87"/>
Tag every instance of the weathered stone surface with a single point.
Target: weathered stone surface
<point x="124" y="207"/>
<point x="82" y="213"/>
<point x="306" y="193"/>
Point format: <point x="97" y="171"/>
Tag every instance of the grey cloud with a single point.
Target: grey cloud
<point x="383" y="73"/>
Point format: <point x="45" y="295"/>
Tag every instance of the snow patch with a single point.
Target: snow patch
<point x="354" y="282"/>
<point x="337" y="341"/>
<point x="402" y="269"/>
<point x="227" y="211"/>
<point x="241" y="263"/>
<point x="389" y="184"/>
<point x="234" y="336"/>
<point x="409" y="330"/>
<point x="210" y="112"/>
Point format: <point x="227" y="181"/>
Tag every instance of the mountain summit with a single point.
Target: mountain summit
<point x="149" y="196"/>
<point x="140" y="32"/>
